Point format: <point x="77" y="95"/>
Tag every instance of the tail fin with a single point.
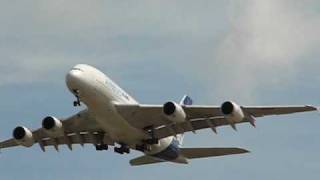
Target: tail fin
<point x="186" y="100"/>
<point x="180" y="138"/>
<point x="193" y="153"/>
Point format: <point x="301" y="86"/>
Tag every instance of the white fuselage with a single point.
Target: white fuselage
<point x="100" y="94"/>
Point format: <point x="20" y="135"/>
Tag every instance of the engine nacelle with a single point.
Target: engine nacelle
<point x="174" y="112"/>
<point x="232" y="112"/>
<point x="23" y="136"/>
<point x="53" y="126"/>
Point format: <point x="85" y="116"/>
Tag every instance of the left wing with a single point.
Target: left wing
<point x="78" y="129"/>
<point x="197" y="117"/>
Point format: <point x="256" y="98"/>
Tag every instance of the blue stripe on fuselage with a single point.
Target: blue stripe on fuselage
<point x="171" y="152"/>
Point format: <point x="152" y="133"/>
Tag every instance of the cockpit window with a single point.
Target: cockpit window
<point x="78" y="69"/>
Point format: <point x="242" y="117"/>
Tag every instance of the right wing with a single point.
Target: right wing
<point x="79" y="129"/>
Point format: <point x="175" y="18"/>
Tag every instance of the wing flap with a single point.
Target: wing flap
<point x="192" y="153"/>
<point x="80" y="138"/>
<point x="198" y="124"/>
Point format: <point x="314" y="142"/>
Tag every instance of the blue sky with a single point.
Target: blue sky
<point x="253" y="52"/>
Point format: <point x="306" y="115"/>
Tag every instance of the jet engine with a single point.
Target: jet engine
<point x="174" y="112"/>
<point x="23" y="136"/>
<point x="232" y="112"/>
<point x="53" y="126"/>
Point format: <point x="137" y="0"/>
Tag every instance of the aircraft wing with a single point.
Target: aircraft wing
<point x="79" y="129"/>
<point x="198" y="117"/>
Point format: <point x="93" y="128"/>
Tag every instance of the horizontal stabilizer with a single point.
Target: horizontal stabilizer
<point x="192" y="153"/>
<point x="143" y="160"/>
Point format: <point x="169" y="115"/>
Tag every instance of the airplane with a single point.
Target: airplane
<point x="113" y="118"/>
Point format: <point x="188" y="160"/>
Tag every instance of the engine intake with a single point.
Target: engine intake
<point x="227" y="108"/>
<point x="52" y="126"/>
<point x="23" y="136"/>
<point x="174" y="112"/>
<point x="19" y="133"/>
<point x="169" y="108"/>
<point x="232" y="112"/>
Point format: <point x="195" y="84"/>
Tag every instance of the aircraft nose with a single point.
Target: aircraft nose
<point x="74" y="79"/>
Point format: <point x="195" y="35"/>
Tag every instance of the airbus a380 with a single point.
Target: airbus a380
<point x="114" y="118"/>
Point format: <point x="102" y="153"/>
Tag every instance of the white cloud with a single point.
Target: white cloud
<point x="236" y="47"/>
<point x="43" y="37"/>
<point x="266" y="44"/>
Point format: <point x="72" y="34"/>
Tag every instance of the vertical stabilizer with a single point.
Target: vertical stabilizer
<point x="185" y="101"/>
